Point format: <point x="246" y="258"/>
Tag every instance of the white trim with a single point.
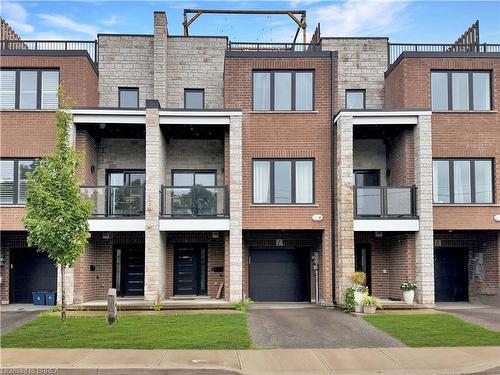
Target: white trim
<point x="117" y="225"/>
<point x="108" y="116"/>
<point x="194" y="120"/>
<point x="383" y="117"/>
<point x="184" y="225"/>
<point x="166" y="112"/>
<point x="386" y="225"/>
<point x="107" y="111"/>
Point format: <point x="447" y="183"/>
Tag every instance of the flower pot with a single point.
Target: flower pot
<point x="358" y="297"/>
<point x="369" y="309"/>
<point x="409" y="295"/>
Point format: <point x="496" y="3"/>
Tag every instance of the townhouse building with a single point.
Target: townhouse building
<point x="270" y="171"/>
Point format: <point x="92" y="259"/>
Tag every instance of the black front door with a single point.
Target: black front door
<point x="30" y="271"/>
<point x="190" y="270"/>
<point x="363" y="261"/>
<point x="451" y="275"/>
<point x="129" y="271"/>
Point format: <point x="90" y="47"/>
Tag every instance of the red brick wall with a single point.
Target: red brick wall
<point x="400" y="159"/>
<point x="87" y="150"/>
<point x="454" y="134"/>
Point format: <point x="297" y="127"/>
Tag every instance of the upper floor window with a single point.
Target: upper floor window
<point x="282" y="181"/>
<point x="463" y="181"/>
<point x="13" y="180"/>
<point x="461" y="90"/>
<point x="194" y="98"/>
<point x="128" y="97"/>
<point x="355" y="99"/>
<point x="28" y="89"/>
<point x="282" y="90"/>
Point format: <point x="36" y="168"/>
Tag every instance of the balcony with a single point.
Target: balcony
<point x="90" y="46"/>
<point x="195" y="202"/>
<point x="115" y="201"/>
<point x="272" y="47"/>
<point x="385" y="208"/>
<point x="385" y="202"/>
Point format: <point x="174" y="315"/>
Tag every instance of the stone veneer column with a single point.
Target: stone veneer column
<point x="235" y="209"/>
<point x="344" y="215"/>
<point x="424" y="241"/>
<point x="160" y="57"/>
<point x="69" y="282"/>
<point x="154" y="264"/>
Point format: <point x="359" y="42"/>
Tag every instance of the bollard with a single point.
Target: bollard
<point x="112" y="307"/>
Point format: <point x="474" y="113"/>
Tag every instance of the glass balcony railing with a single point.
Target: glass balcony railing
<point x="385" y="201"/>
<point x="115" y="201"/>
<point x="195" y="201"/>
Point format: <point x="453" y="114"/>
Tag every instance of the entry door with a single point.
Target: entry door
<point x="129" y="271"/>
<point x="190" y="270"/>
<point x="30" y="271"/>
<point x="451" y="276"/>
<point x="363" y="261"/>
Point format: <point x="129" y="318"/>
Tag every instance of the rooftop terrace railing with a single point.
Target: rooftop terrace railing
<point x="272" y="47"/>
<point x="396" y="49"/>
<point x="53" y="45"/>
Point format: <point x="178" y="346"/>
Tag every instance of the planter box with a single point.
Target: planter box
<point x="369" y="309"/>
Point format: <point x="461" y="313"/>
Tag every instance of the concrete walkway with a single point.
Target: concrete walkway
<point x="467" y="360"/>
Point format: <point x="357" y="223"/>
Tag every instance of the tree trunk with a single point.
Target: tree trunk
<point x="63" y="294"/>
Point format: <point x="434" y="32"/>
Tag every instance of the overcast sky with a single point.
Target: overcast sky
<point x="401" y="21"/>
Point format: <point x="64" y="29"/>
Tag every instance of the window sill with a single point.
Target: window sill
<point x="298" y="205"/>
<point x="12" y="205"/>
<point x="28" y="110"/>
<point x="451" y="111"/>
<point x="466" y="205"/>
<point x="284" y="112"/>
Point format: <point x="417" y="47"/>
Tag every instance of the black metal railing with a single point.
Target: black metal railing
<point x="385" y="201"/>
<point x="272" y="47"/>
<point x="115" y="201"/>
<point x="194" y="201"/>
<point x="53" y="45"/>
<point x="396" y="49"/>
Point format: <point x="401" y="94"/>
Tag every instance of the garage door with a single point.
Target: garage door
<point x="450" y="275"/>
<point x="30" y="271"/>
<point x="279" y="274"/>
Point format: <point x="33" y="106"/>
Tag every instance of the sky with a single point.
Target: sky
<point x="400" y="20"/>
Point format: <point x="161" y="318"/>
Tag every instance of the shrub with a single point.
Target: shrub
<point x="349" y="300"/>
<point x="371" y="301"/>
<point x="407" y="286"/>
<point x="358" y="278"/>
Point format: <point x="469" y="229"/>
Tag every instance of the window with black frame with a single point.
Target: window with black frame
<point x="125" y="193"/>
<point x="29" y="88"/>
<point x="194" y="98"/>
<point x="195" y="193"/>
<point x="128" y="97"/>
<point x="463" y="181"/>
<point x="283" y="181"/>
<point x="283" y="90"/>
<point x="13" y="180"/>
<point x="461" y="90"/>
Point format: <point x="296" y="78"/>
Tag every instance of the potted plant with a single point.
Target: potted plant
<point x="360" y="289"/>
<point x="408" y="291"/>
<point x="370" y="304"/>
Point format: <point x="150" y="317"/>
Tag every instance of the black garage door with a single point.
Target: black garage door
<point x="279" y="274"/>
<point x="30" y="271"/>
<point x="450" y="275"/>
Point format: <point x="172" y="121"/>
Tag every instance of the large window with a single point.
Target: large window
<point x="461" y="90"/>
<point x="355" y="99"/>
<point x="281" y="181"/>
<point x="128" y="97"/>
<point x="28" y="89"/>
<point x="194" y="98"/>
<point x="283" y="90"/>
<point x="463" y="181"/>
<point x="13" y="180"/>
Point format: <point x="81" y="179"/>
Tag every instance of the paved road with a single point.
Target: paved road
<point x="310" y="326"/>
<point x="484" y="315"/>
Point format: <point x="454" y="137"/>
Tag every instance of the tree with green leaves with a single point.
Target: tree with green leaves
<point x="56" y="215"/>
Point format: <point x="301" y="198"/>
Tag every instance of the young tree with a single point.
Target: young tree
<point x="56" y="216"/>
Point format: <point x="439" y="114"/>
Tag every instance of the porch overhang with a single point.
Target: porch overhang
<point x="383" y="117"/>
<point x="197" y="117"/>
<point x="108" y="116"/>
<point x="386" y="225"/>
<point x="188" y="225"/>
<point x="117" y="225"/>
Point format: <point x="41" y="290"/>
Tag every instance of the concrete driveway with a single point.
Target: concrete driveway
<point x="311" y="326"/>
<point x="484" y="315"/>
<point x="15" y="315"/>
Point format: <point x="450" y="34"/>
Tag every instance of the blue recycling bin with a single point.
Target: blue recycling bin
<point x="50" y="298"/>
<point x="38" y="298"/>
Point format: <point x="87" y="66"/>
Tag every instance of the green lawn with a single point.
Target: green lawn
<point x="418" y="330"/>
<point x="181" y="331"/>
